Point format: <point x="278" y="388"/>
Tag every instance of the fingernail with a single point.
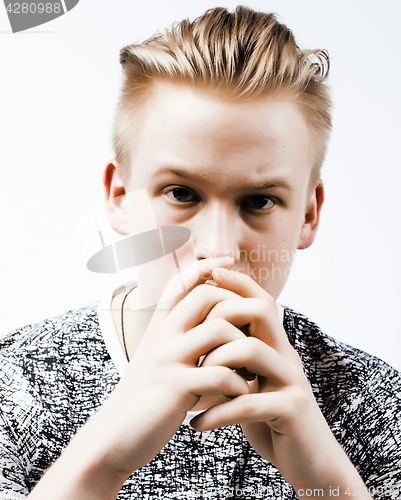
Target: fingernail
<point x="228" y="259"/>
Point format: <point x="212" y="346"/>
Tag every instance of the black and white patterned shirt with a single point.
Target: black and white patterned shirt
<point x="56" y="374"/>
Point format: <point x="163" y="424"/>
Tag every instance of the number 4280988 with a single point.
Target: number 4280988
<point x="33" y="8"/>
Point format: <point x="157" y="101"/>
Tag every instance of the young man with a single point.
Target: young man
<point x="224" y="122"/>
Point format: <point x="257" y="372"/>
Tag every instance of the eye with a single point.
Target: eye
<point x="181" y="194"/>
<point x="259" y="202"/>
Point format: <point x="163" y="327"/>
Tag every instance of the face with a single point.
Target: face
<point x="235" y="173"/>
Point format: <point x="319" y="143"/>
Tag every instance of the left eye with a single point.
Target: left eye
<point x="181" y="194"/>
<point x="259" y="202"/>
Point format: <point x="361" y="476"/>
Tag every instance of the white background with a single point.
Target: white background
<point x="58" y="88"/>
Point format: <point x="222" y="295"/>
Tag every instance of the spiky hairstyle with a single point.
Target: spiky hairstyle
<point x="243" y="54"/>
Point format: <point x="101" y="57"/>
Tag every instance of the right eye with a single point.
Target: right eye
<point x="180" y="194"/>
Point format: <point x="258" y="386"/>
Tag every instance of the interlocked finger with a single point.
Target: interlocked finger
<point x="193" y="309"/>
<point x="256" y="357"/>
<point x="262" y="318"/>
<point x="204" y="338"/>
<point x="182" y="284"/>
<point x="244" y="408"/>
<point x="215" y="380"/>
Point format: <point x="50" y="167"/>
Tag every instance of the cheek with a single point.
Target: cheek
<point x="267" y="256"/>
<point x="273" y="245"/>
<point x="284" y="234"/>
<point x="272" y="270"/>
<point x="167" y="215"/>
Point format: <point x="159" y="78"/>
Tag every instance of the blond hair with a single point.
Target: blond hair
<point x="238" y="55"/>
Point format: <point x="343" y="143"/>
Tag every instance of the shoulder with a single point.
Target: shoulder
<point x="321" y="353"/>
<point x="74" y="325"/>
<point x="42" y="364"/>
<point x="45" y="354"/>
<point x="340" y="375"/>
<point x="54" y="342"/>
<point x="53" y="376"/>
<point x="35" y="359"/>
<point x="358" y="393"/>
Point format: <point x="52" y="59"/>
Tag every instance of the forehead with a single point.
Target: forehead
<point x="220" y="137"/>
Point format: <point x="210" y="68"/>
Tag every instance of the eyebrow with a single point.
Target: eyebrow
<point x="185" y="174"/>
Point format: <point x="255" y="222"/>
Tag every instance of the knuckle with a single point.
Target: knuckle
<point x="224" y="376"/>
<point x="217" y="311"/>
<point x="246" y="405"/>
<point x="269" y="304"/>
<point x="201" y="290"/>
<point x="262" y="308"/>
<point x="253" y="345"/>
<point x="205" y="268"/>
<point x="298" y="401"/>
<point x="219" y="324"/>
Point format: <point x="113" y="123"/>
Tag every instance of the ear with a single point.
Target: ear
<point x="312" y="217"/>
<point x="115" y="198"/>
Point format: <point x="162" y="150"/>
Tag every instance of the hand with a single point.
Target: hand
<point x="161" y="383"/>
<point x="163" y="380"/>
<point x="279" y="415"/>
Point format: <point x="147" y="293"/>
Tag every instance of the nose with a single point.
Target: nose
<point x="216" y="233"/>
